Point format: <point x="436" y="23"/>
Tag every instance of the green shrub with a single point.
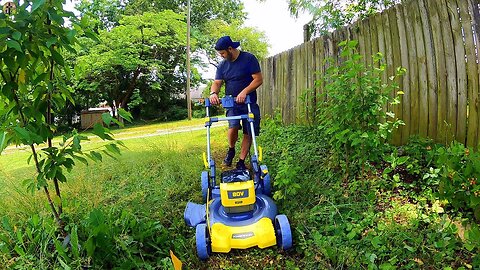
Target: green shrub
<point x="352" y="114"/>
<point x="459" y="177"/>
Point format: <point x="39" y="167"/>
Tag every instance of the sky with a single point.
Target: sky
<point x="272" y="16"/>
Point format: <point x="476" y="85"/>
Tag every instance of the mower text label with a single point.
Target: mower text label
<point x="242" y="235"/>
<point x="237" y="194"/>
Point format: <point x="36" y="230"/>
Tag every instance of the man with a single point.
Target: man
<point x="242" y="76"/>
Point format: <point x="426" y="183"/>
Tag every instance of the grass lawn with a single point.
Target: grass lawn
<point x="336" y="225"/>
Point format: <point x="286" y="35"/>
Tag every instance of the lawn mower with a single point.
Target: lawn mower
<point x="238" y="213"/>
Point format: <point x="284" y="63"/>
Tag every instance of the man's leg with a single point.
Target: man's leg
<point x="246" y="143"/>
<point x="232" y="135"/>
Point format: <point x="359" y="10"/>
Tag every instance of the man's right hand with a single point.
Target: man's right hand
<point x="214" y="99"/>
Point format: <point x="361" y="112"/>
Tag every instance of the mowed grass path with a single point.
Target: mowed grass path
<point x="156" y="175"/>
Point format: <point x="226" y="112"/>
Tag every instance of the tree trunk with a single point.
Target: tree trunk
<point x="131" y="88"/>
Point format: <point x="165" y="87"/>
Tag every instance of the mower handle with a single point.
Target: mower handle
<point x="228" y="101"/>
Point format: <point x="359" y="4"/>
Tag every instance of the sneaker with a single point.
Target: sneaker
<point x="241" y="165"/>
<point x="228" y="159"/>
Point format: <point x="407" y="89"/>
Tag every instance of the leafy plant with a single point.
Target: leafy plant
<point x="32" y="91"/>
<point x="352" y="113"/>
<point x="459" y="173"/>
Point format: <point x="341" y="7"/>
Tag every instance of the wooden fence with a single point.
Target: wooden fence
<point x="437" y="41"/>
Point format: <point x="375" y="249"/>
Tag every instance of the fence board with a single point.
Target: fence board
<point x="368" y="41"/>
<point x="461" y="77"/>
<point x="412" y="68"/>
<point x="439" y="68"/>
<point x="431" y="88"/>
<point x="451" y="71"/>
<point x="466" y="13"/>
<point x="374" y="35"/>
<point x="474" y="8"/>
<point x="404" y="84"/>
<point x="422" y="73"/>
<point x="397" y="62"/>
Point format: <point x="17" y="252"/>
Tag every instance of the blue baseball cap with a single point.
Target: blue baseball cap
<point x="224" y="42"/>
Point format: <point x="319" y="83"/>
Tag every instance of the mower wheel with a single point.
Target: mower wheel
<point x="204" y="185"/>
<point x="204" y="248"/>
<point x="267" y="182"/>
<point x="283" y="232"/>
<point x="267" y="185"/>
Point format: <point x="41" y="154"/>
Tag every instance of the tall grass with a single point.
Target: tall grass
<point x="152" y="179"/>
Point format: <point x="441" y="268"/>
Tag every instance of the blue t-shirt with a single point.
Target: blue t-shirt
<point x="238" y="74"/>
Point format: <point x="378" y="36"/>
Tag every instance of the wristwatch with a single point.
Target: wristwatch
<point x="213" y="92"/>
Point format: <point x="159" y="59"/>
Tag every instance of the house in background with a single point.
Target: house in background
<point x="93" y="116"/>
<point x="196" y="94"/>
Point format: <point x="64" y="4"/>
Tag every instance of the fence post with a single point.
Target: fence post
<point x="306" y="32"/>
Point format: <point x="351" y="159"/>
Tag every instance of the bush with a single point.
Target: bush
<point x="352" y="116"/>
<point x="459" y="177"/>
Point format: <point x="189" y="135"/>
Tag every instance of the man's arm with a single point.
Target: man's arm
<point x="214" y="90"/>
<point x="257" y="81"/>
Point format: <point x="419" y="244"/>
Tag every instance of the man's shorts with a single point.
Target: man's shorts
<point x="240" y="109"/>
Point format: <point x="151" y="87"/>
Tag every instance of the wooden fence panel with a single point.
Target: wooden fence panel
<point x="437" y="41"/>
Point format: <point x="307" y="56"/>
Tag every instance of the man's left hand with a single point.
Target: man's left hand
<point x="241" y="98"/>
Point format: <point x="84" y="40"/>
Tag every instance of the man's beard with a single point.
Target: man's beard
<point x="229" y="56"/>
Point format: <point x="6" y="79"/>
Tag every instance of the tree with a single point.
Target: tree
<point x="251" y="39"/>
<point x="146" y="47"/>
<point x="32" y="90"/>
<point x="329" y="15"/>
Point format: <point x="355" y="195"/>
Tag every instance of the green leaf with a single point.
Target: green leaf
<point x="125" y="115"/>
<point x="74" y="242"/>
<point x="113" y="148"/>
<point x="14" y="44"/>
<point x="37" y="4"/>
<point x="409" y="248"/>
<point x="63" y="264"/>
<point x="107" y="118"/>
<point x="68" y="73"/>
<point x="99" y="130"/>
<point x="351" y="235"/>
<point x="120" y="124"/>
<point x="90" y="246"/>
<point x="60" y="249"/>
<point x="96" y="156"/>
<point x="71" y="34"/>
<point x="376" y="241"/>
<point x="24" y="135"/>
<point x="17" y="35"/>
<point x="92" y="36"/>
<point x="20" y="250"/>
<point x="51" y="41"/>
<point x="3" y="141"/>
<point x="58" y="57"/>
<point x="81" y="159"/>
<point x="4" y="30"/>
